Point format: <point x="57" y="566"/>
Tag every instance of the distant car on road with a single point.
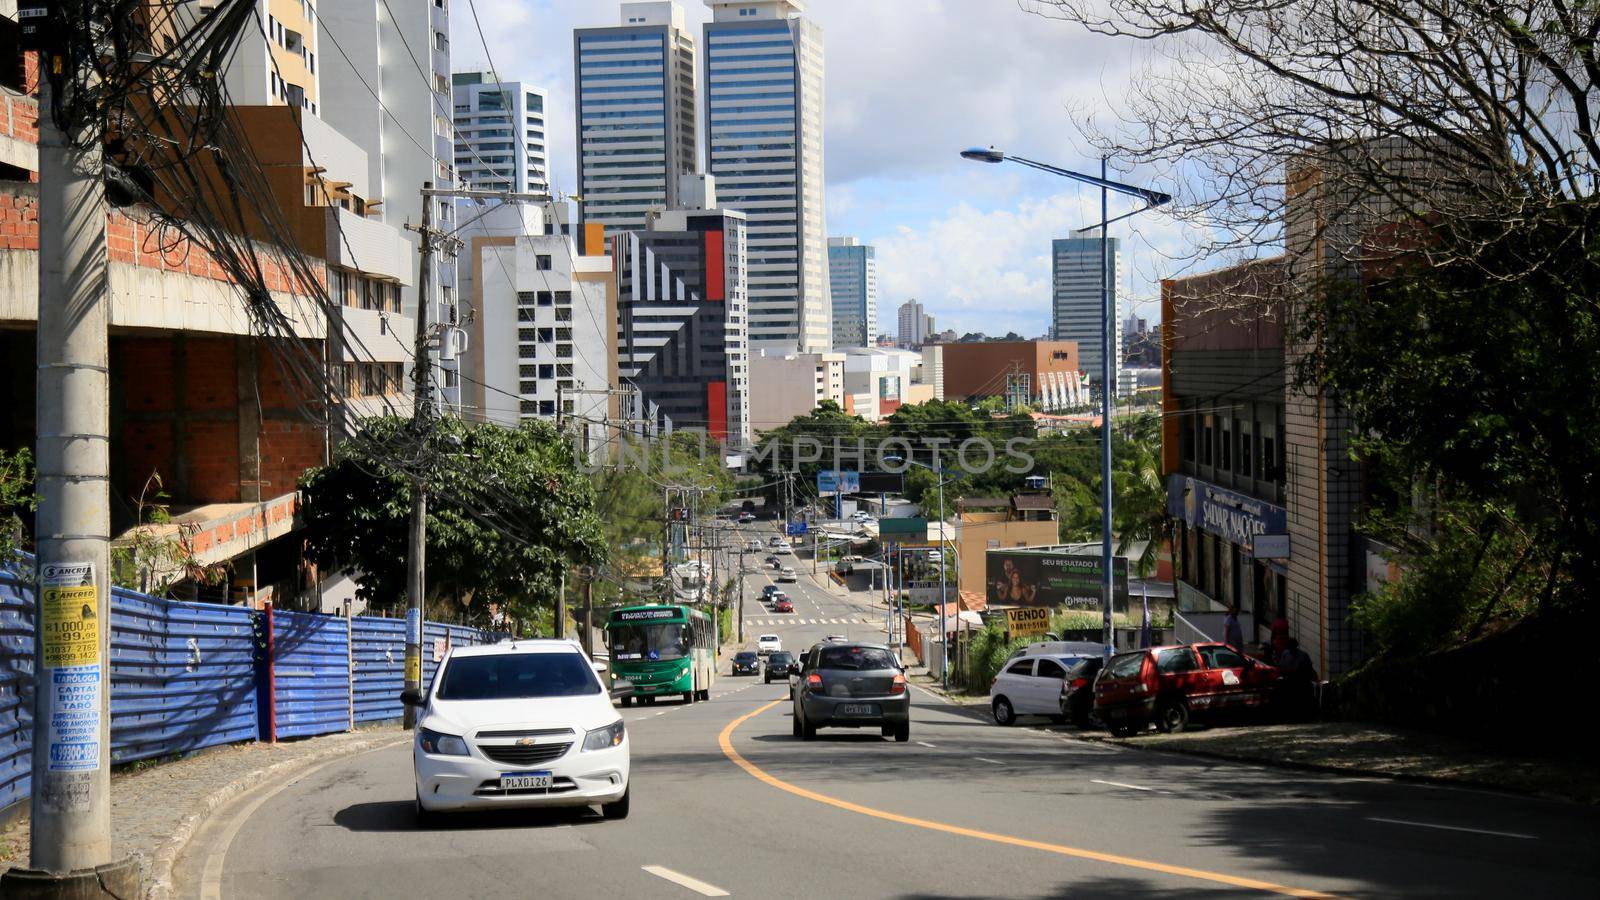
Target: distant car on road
<point x="518" y="724"/>
<point x="783" y="605"/>
<point x="746" y="516"/>
<point x="772" y="560"/>
<point x="775" y="540"/>
<point x="783" y="549"/>
<point x="786" y="574"/>
<point x="768" y="644"/>
<point x="1030" y="686"/>
<point x="861" y="515"/>
<point x="777" y="667"/>
<point x="1169" y="686"/>
<point x="767" y="590"/>
<point x="746" y="662"/>
<point x="852" y="685"/>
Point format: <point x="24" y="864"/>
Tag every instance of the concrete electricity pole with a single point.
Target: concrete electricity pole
<point x="421" y="419"/>
<point x="421" y="415"/>
<point x="70" y="846"/>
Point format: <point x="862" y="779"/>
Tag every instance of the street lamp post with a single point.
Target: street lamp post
<point x="1107" y="330"/>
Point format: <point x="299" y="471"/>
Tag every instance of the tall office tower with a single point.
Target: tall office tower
<point x="763" y="85"/>
<point x="681" y="308"/>
<point x="399" y="52"/>
<point x="915" y="326"/>
<point x="276" y="64"/>
<point x="853" y="281"/>
<point x="500" y="134"/>
<point x="1078" y="314"/>
<point x="635" y="115"/>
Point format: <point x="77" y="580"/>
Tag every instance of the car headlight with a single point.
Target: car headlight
<point x="604" y="738"/>
<point x="441" y="744"/>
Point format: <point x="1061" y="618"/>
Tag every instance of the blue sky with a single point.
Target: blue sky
<point x="910" y="83"/>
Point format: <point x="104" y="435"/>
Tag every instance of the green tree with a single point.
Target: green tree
<point x="1474" y="384"/>
<point x="508" y="512"/>
<point x="16" y="500"/>
<point x="1139" y="493"/>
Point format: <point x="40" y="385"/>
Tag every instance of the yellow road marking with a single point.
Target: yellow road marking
<point x="725" y="740"/>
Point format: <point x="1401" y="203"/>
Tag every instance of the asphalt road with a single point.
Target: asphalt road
<point x="726" y="800"/>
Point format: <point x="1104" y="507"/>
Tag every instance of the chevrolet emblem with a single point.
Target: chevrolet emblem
<point x="526" y="742"/>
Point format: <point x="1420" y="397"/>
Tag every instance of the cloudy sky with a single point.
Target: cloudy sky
<point x="910" y="83"/>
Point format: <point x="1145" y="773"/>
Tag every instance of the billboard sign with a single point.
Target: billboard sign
<point x="1035" y="578"/>
<point x="838" y="481"/>
<point x="883" y="483"/>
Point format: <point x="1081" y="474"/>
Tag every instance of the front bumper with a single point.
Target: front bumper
<point x="821" y="710"/>
<point x="746" y="670"/>
<point x="582" y="778"/>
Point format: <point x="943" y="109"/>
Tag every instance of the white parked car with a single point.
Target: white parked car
<point x="518" y="724"/>
<point x="768" y="644"/>
<point x="1030" y="686"/>
<point x="786" y="573"/>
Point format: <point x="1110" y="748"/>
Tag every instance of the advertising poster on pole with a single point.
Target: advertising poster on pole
<point x="69" y="637"/>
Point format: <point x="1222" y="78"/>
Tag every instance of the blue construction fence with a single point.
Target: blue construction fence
<point x="186" y="676"/>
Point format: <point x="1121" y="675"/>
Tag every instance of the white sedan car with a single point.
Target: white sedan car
<point x="768" y="643"/>
<point x="518" y="724"/>
<point x="1030" y="686"/>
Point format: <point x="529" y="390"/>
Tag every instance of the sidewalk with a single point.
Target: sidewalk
<point x="1349" y="748"/>
<point x="156" y="809"/>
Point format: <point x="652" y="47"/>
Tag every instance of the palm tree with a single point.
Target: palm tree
<point x="1140" y="513"/>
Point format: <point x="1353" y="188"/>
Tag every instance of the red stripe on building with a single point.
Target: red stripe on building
<point x="717" y="408"/>
<point x="715" y="267"/>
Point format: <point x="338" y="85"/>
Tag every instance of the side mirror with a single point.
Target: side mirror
<point x="620" y="688"/>
<point x="411" y="697"/>
<point x="794" y="668"/>
<point x="599" y="667"/>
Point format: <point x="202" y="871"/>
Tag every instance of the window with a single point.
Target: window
<point x="547" y="407"/>
<point x="1186" y="429"/>
<point x="547" y="371"/>
<point x="542" y="262"/>
<point x="1207" y="426"/>
<point x="510" y="676"/>
<point x="1020" y="667"/>
<point x="1049" y="668"/>
<point x="1221" y="657"/>
<point x="564" y="314"/>
<point x="546" y="336"/>
<point x="545" y="298"/>
<point x="440" y="41"/>
<point x="1177" y="660"/>
<point x="1246" y="450"/>
<point x="1270" y="468"/>
<point x="1125" y="666"/>
<point x="855" y="658"/>
<point x="1225" y="444"/>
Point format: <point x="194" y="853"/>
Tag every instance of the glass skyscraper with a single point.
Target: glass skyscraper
<point x="635" y="114"/>
<point x="763" y="85"/>
<point x="853" y="282"/>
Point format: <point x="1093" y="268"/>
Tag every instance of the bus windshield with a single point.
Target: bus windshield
<point x="671" y="640"/>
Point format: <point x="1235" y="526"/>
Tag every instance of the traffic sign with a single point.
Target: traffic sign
<point x="796" y="529"/>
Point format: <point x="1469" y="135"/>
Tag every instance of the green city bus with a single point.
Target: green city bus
<point x="663" y="650"/>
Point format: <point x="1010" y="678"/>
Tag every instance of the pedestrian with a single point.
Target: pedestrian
<point x="1299" y="679"/>
<point x="1233" y="635"/>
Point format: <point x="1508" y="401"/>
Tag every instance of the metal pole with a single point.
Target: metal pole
<point x="587" y="635"/>
<point x="71" y="804"/>
<point x="944" y="581"/>
<point x="559" y="625"/>
<point x="1107" y="328"/>
<point x="416" y="556"/>
<point x="741" y="594"/>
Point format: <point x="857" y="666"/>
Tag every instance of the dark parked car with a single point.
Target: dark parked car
<point x="1077" y="691"/>
<point x="746" y="662"/>
<point x="777" y="667"/>
<point x="852" y="685"/>
<point x="772" y="560"/>
<point x="1171" y="685"/>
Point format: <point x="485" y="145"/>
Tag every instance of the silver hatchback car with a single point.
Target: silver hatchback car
<point x="851" y="685"/>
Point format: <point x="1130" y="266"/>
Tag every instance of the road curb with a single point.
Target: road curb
<point x="158" y="881"/>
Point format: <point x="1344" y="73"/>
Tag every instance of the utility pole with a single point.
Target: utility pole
<point x="70" y="845"/>
<point x="559" y="626"/>
<point x="421" y="424"/>
<point x="741" y="593"/>
<point x="586" y="636"/>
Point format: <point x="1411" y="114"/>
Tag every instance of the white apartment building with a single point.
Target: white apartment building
<point x="541" y="340"/>
<point x="1077" y="304"/>
<point x="635" y="114"/>
<point x="763" y="81"/>
<point x="500" y="134"/>
<point x="400" y="54"/>
<point x="277" y="64"/>
<point x="785" y="385"/>
<point x="853" y="282"/>
<point x="915" y="325"/>
<point x="878" y="379"/>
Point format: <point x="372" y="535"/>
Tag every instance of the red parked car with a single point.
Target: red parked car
<point x="1170" y="685"/>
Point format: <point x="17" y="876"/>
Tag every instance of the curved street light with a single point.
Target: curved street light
<point x="1152" y="199"/>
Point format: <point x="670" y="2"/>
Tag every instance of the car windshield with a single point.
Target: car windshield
<point x="515" y="676"/>
<point x="665" y="640"/>
<point x="780" y="659"/>
<point x="855" y="658"/>
<point x="745" y="656"/>
<point x="770" y="637"/>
